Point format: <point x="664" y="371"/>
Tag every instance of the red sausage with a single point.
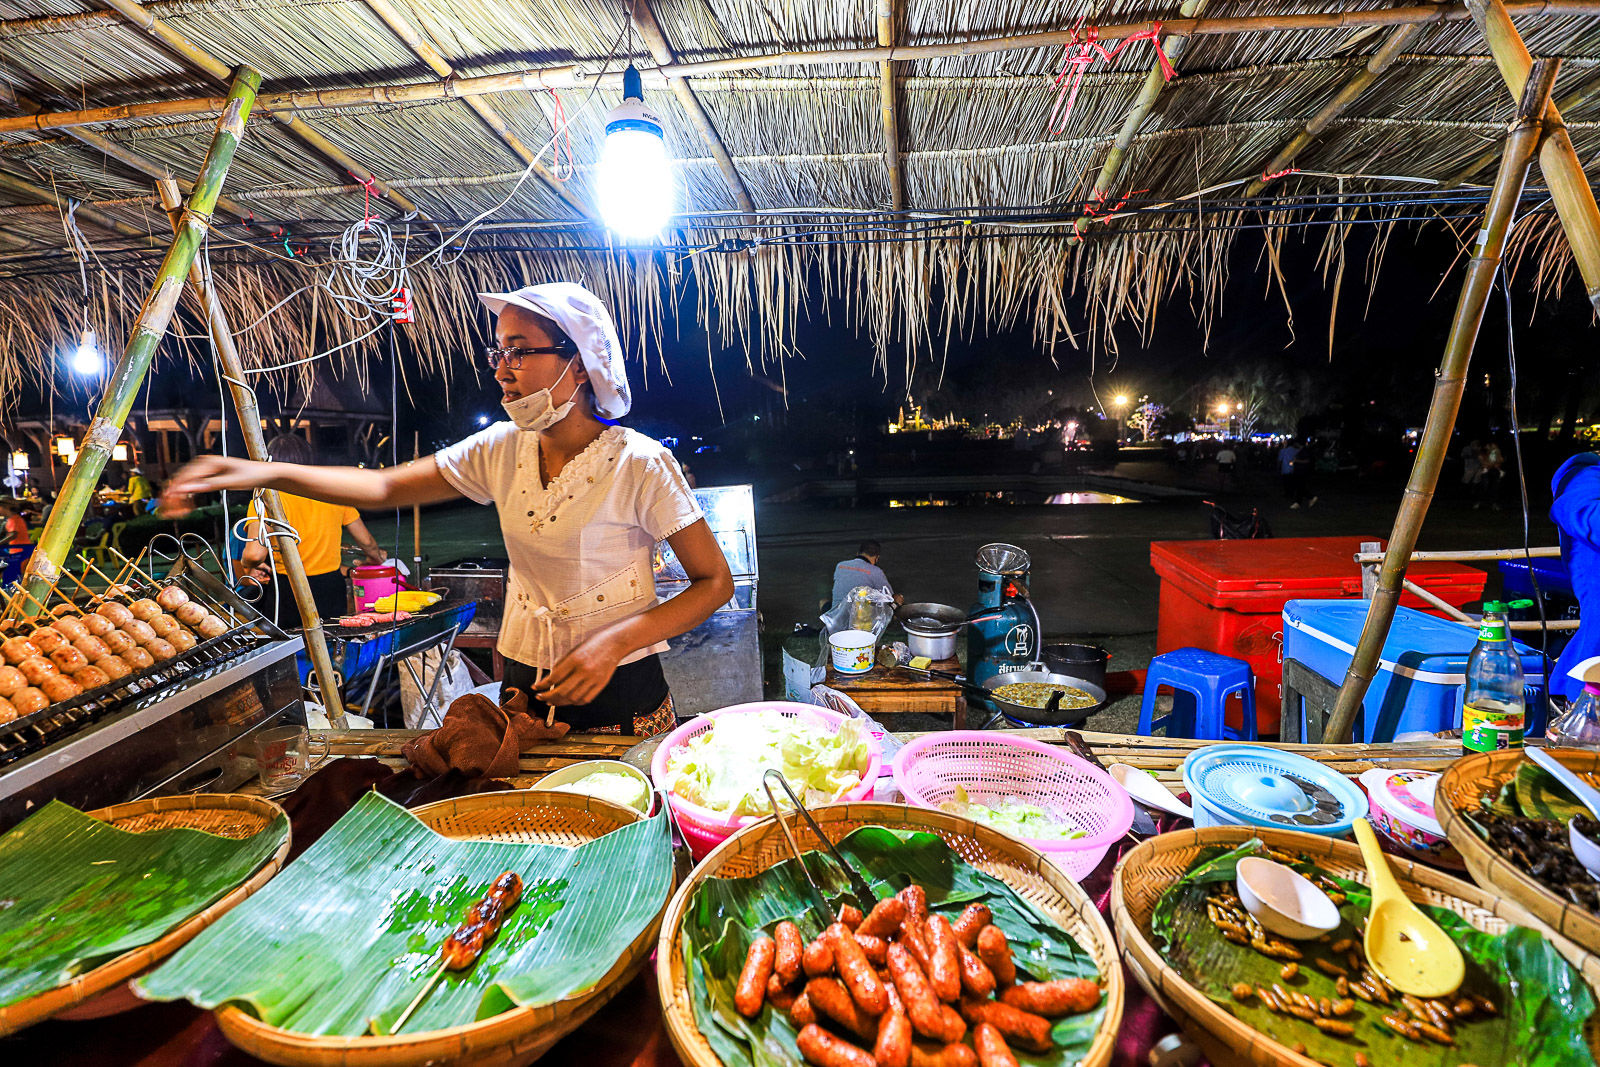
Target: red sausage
<point x="856" y="970"/>
<point x="1023" y="1028"/>
<point x="1066" y="996"/>
<point x="830" y="1000"/>
<point x="801" y="1012"/>
<point x="850" y="915"/>
<point x="973" y="918"/>
<point x="876" y="948"/>
<point x="913" y="935"/>
<point x="928" y="1017"/>
<point x="787" y="962"/>
<point x="977" y="980"/>
<point x="817" y="959"/>
<point x="824" y="1050"/>
<point x="885" y="918"/>
<point x="778" y="994"/>
<point x="995" y="952"/>
<point x="916" y="900"/>
<point x="949" y="1056"/>
<point x="752" y="988"/>
<point x="893" y="1048"/>
<point x="991" y="1047"/>
<point x="944" y="959"/>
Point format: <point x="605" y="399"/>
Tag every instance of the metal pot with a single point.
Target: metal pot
<point x="931" y="629"/>
<point x="1080" y="661"/>
<point x="936" y="647"/>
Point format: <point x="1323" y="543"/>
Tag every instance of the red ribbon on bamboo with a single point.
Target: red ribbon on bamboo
<point x="368" y="185"/>
<point x="1081" y="55"/>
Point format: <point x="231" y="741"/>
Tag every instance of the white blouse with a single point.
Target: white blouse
<point x="581" y="547"/>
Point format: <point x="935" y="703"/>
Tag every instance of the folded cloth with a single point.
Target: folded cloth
<point x="481" y="740"/>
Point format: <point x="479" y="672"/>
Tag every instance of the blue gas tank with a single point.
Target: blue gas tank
<point x="1003" y="631"/>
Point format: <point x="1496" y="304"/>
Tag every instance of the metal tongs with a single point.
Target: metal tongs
<point x="865" y="897"/>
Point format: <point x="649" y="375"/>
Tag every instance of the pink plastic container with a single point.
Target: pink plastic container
<point x="372" y="583"/>
<point x="704" y="829"/>
<point x="990" y="765"/>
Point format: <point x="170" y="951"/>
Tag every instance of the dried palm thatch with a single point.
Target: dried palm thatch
<point x="986" y="240"/>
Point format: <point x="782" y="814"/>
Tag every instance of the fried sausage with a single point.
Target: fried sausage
<point x="11" y="681"/>
<point x="850" y="915"/>
<point x="995" y="952"/>
<point x="817" y="959"/>
<point x="893" y="1047"/>
<point x="991" y="1047"/>
<point x="824" y="1050"/>
<point x="787" y="961"/>
<point x="876" y="948"/>
<point x="779" y="995"/>
<point x="884" y="919"/>
<point x="944" y="959"/>
<point x="58" y="688"/>
<point x="1067" y="996"/>
<point x="830" y="1000"/>
<point x="856" y="970"/>
<point x="914" y="936"/>
<point x="752" y="989"/>
<point x="801" y="1013"/>
<point x="977" y="980"/>
<point x="973" y="918"/>
<point x="916" y="900"/>
<point x="1021" y="1028"/>
<point x="928" y="1017"/>
<point x="950" y="1056"/>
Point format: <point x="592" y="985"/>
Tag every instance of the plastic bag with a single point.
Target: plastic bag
<point x="416" y="679"/>
<point x="863" y="608"/>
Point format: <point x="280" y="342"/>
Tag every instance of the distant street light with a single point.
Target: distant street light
<point x="1121" y="400"/>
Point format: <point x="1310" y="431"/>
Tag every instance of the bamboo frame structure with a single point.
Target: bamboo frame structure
<point x="231" y="368"/>
<point x="22" y="187"/>
<point x="122" y="388"/>
<point x="1576" y="98"/>
<point x="424" y="49"/>
<point x="1558" y="160"/>
<point x="1521" y="145"/>
<point x="888" y="107"/>
<point x="1380" y="61"/>
<point x="644" y="20"/>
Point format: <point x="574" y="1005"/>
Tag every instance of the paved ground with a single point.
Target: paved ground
<point x="1091" y="576"/>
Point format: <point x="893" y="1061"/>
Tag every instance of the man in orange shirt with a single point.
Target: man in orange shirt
<point x="16" y="527"/>
<point x="319" y="525"/>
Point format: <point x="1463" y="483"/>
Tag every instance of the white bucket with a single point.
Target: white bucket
<point x="852" y="650"/>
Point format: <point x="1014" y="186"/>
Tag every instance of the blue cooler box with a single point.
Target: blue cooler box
<point x="1422" y="672"/>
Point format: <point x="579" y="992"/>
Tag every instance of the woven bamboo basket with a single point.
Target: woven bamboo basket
<point x="1027" y="871"/>
<point x="1476" y="776"/>
<point x="224" y="814"/>
<point x="511" y="1038"/>
<point x="1147" y="871"/>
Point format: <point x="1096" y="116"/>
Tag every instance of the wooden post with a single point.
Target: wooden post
<point x="1520" y="146"/>
<point x="244" y="402"/>
<point x="888" y="112"/>
<point x="122" y="389"/>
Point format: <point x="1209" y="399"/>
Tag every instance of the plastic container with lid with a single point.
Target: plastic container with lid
<point x="1401" y="809"/>
<point x="1252" y="785"/>
<point x="1228" y="597"/>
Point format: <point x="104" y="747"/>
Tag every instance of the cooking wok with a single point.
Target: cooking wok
<point x="1012" y="711"/>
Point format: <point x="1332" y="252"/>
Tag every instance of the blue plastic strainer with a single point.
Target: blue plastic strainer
<point x="1258" y="786"/>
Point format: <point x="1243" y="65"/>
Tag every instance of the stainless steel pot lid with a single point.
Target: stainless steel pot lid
<point x="1002" y="559"/>
<point x="930" y="620"/>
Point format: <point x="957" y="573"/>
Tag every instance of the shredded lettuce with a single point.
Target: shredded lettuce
<point x="721" y="768"/>
<point x="614" y="786"/>
<point x="1015" y="817"/>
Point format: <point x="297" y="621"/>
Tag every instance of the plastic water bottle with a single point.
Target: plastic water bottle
<point x="1493" y="712"/>
<point x="1579" y="725"/>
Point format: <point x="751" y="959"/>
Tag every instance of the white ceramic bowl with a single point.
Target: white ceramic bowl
<point x="578" y="771"/>
<point x="1284" y="901"/>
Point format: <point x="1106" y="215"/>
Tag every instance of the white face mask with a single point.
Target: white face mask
<point x="538" y="411"/>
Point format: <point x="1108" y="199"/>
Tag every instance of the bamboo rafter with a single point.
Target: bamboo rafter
<point x="888" y="107"/>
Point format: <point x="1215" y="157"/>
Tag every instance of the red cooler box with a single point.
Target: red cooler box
<point x="1228" y="597"/>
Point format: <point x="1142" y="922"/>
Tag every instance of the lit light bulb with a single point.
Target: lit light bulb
<point x="87" y="360"/>
<point x="634" y="186"/>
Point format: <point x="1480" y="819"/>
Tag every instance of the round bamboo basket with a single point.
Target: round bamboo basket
<point x="1147" y="871"/>
<point x="511" y="1038"/>
<point x="224" y="814"/>
<point x="1029" y="872"/>
<point x="1479" y="775"/>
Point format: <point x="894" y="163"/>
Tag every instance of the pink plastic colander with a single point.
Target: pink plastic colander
<point x="990" y="766"/>
<point x="704" y="829"/>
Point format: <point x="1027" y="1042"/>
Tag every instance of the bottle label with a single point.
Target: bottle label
<point x="1490" y="729"/>
<point x="1492" y="630"/>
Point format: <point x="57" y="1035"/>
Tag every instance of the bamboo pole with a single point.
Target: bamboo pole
<point x="22" y="187"/>
<point x="1558" y="161"/>
<point x="1467" y="554"/>
<point x="122" y="388"/>
<point x="644" y="20"/>
<point x="1521" y="145"/>
<point x="1381" y="60"/>
<point x="1572" y="100"/>
<point x="244" y="401"/>
<point x="416" y="517"/>
<point x="424" y="49"/>
<point x="888" y="111"/>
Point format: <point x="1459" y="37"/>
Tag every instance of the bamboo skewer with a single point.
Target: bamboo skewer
<point x="416" y="1001"/>
<point x="1515" y="160"/>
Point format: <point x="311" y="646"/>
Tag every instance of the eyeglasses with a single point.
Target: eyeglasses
<point x="512" y="357"/>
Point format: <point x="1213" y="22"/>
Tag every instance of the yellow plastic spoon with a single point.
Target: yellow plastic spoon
<point x="1405" y="947"/>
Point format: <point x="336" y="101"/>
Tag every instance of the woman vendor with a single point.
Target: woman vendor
<point x="581" y="503"/>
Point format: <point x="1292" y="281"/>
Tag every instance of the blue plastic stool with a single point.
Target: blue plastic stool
<point x="1201" y="683"/>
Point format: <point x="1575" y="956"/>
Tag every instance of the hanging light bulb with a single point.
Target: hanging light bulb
<point x="634" y="185"/>
<point x="87" y="360"/>
<point x="64" y="446"/>
<point x="19" y="460"/>
<point x="119" y="452"/>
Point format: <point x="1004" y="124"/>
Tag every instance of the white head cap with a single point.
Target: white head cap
<point x="582" y="316"/>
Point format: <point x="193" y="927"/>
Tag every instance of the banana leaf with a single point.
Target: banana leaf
<point x="1540" y="796"/>
<point x="76" y="892"/>
<point x="726" y="913"/>
<point x="1543" y="1001"/>
<point x="348" y="934"/>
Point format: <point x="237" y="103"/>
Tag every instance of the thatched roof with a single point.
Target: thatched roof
<point x="802" y="138"/>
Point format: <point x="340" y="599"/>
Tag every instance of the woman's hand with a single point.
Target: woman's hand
<point x="208" y="474"/>
<point x="581" y="673"/>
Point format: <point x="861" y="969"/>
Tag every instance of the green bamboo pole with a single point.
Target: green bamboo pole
<point x="1558" y="161"/>
<point x="1517" y="157"/>
<point x="255" y="443"/>
<point x="44" y="567"/>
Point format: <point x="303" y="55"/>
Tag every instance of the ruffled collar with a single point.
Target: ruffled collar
<point x="596" y="462"/>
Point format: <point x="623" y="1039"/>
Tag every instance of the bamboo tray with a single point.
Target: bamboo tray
<point x="1478" y="775"/>
<point x="224" y="814"/>
<point x="1150" y="868"/>
<point x="511" y="1038"/>
<point x="1028" y="872"/>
